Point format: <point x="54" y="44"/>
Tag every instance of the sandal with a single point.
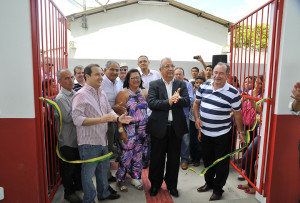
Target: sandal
<point x="243" y="187"/>
<point x="122" y="187"/>
<point x="137" y="184"/>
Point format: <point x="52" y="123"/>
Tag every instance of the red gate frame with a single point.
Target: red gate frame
<point x="35" y="37"/>
<point x="275" y="47"/>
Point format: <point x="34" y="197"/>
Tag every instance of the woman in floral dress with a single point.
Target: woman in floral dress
<point x="133" y="140"/>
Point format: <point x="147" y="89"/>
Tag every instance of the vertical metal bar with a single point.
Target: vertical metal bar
<point x="250" y="34"/>
<point x="54" y="11"/>
<point x="59" y="42"/>
<point x="251" y="162"/>
<point x="35" y="38"/>
<point x="245" y="68"/>
<point x="53" y="138"/>
<point x="50" y="167"/>
<point x="250" y="42"/>
<point x="66" y="42"/>
<point x="272" y="140"/>
<point x="231" y="58"/>
<point x="234" y="58"/>
<point x="267" y="119"/>
<point x="45" y="94"/>
<point x="241" y="66"/>
<point x="44" y="129"/>
<point x="257" y="152"/>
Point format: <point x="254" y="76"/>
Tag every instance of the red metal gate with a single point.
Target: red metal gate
<point x="253" y="44"/>
<point x="49" y="49"/>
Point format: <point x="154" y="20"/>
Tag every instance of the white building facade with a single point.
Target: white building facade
<point x="124" y="33"/>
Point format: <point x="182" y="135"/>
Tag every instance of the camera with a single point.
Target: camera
<point x="195" y="57"/>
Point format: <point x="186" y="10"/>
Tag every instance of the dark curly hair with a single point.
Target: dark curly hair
<point x="127" y="78"/>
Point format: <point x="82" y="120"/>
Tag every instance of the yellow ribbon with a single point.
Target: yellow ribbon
<point x="97" y="159"/>
<point x="238" y="150"/>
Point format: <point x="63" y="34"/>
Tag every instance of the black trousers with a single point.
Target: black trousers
<point x="195" y="145"/>
<point x="71" y="173"/>
<point x="169" y="145"/>
<point x="213" y="149"/>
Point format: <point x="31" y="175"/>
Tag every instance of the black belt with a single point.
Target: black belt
<point x="170" y="123"/>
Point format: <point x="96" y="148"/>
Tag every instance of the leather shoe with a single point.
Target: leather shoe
<point x="112" y="197"/>
<point x="184" y="166"/>
<point x="203" y="188"/>
<point x="111" y="190"/>
<point x="214" y="197"/>
<point x="112" y="179"/>
<point x="72" y="198"/>
<point x="153" y="191"/>
<point x="174" y="192"/>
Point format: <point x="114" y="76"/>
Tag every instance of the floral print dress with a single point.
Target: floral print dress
<point x="131" y="153"/>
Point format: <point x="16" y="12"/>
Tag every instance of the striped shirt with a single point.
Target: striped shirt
<point x="216" y="106"/>
<point x="86" y="103"/>
<point x="77" y="86"/>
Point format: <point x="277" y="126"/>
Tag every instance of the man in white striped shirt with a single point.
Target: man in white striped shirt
<point x="91" y="112"/>
<point x="216" y="100"/>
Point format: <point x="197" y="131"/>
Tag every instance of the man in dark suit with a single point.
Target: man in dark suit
<point x="167" y="124"/>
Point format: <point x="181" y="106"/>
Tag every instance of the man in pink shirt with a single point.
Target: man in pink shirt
<point x="91" y="112"/>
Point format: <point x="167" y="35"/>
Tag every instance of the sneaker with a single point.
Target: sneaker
<point x="72" y="198"/>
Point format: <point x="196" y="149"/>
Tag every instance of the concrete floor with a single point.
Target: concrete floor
<point x="187" y="187"/>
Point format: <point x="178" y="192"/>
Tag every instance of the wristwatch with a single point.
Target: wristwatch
<point x="240" y="132"/>
<point x="120" y="129"/>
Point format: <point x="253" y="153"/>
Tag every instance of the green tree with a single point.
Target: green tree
<point x="254" y="37"/>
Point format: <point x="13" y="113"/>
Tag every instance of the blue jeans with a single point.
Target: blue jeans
<point x="185" y="145"/>
<point x="247" y="163"/>
<point x="88" y="170"/>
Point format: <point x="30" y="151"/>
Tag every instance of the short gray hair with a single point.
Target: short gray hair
<point x="108" y="63"/>
<point x="166" y="58"/>
<point x="61" y="70"/>
<point x="224" y="64"/>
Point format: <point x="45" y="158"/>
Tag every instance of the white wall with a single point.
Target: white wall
<point x="16" y="78"/>
<point x="289" y="66"/>
<point x="156" y="31"/>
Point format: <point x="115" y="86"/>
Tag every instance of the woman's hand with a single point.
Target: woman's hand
<point x="125" y="119"/>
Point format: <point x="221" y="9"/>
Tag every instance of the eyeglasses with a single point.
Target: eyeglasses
<point x="169" y="66"/>
<point x="144" y="61"/>
<point x="135" y="78"/>
<point x="123" y="69"/>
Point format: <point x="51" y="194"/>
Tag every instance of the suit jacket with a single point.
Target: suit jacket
<point x="158" y="102"/>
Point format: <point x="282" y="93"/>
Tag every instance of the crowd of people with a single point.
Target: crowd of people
<point x="157" y="119"/>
